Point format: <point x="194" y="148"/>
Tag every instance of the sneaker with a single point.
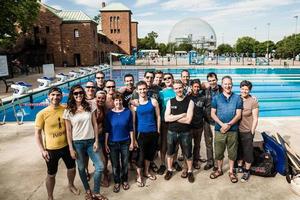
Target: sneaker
<point x="161" y="170"/>
<point x="191" y="177"/>
<point x="239" y="170"/>
<point x="177" y="166"/>
<point x="245" y="177"/>
<point x="168" y="175"/>
<point x="208" y="166"/>
<point x="153" y="167"/>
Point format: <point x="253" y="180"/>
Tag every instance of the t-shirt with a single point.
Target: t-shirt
<point x="247" y="118"/>
<point x="226" y="109"/>
<point x="164" y="96"/>
<point x="119" y="125"/>
<point x="179" y="107"/>
<point x="82" y="126"/>
<point x="126" y="98"/>
<point x="50" y="120"/>
<point x="200" y="102"/>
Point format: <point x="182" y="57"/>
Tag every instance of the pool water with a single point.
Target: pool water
<point x="277" y="90"/>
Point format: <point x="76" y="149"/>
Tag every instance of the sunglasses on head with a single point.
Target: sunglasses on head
<point x="78" y="93"/>
<point x="93" y="87"/>
<point x="167" y="78"/>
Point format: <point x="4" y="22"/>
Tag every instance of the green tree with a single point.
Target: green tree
<point x="184" y="47"/>
<point x="148" y="42"/>
<point x="261" y="48"/>
<point x="288" y="46"/>
<point x="245" y="45"/>
<point x="162" y="47"/>
<point x="224" y="48"/>
<point x="16" y="17"/>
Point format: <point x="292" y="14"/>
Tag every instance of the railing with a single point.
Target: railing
<point x="3" y="111"/>
<point x="19" y="114"/>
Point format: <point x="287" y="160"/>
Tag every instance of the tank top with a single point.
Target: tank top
<point x="146" y="118"/>
<point x="179" y="107"/>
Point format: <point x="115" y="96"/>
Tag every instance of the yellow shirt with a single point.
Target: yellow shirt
<point x="51" y="121"/>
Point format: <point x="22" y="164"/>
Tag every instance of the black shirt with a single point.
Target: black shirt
<point x="177" y="108"/>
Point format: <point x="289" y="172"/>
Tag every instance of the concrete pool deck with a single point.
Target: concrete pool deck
<point x="22" y="172"/>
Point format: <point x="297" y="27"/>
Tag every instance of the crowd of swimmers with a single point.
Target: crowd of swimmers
<point x="158" y="119"/>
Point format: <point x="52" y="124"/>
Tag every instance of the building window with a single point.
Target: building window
<point x="115" y="30"/>
<point x="119" y="42"/>
<point x="47" y="29"/>
<point x="118" y="22"/>
<point x="118" y="31"/>
<point x="76" y="33"/>
<point x="111" y="31"/>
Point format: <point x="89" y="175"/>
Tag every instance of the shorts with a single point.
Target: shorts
<point x="185" y="141"/>
<point x="229" y="140"/>
<point x="245" y="148"/>
<point x="147" y="147"/>
<point x="55" y="155"/>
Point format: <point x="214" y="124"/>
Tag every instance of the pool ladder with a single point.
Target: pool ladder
<point x="3" y="111"/>
<point x="19" y="115"/>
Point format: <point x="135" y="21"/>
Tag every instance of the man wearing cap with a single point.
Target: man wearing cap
<point x="54" y="145"/>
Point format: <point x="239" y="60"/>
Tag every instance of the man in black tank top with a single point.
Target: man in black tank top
<point x="179" y="114"/>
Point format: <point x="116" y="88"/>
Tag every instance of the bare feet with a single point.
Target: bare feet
<point x="74" y="190"/>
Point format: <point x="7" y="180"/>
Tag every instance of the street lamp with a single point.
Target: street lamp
<point x="296" y="17"/>
<point x="268" y="24"/>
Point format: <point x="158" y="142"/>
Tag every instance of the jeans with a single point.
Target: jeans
<point x="117" y="150"/>
<point x="185" y="141"/>
<point x="86" y="146"/>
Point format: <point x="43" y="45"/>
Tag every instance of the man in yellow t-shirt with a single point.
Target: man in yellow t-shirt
<point x="55" y="145"/>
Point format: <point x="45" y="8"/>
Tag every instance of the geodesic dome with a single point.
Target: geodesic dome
<point x="194" y="31"/>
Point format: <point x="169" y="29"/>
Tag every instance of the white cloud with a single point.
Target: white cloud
<point x="141" y="3"/>
<point x="191" y="5"/>
<point x="58" y="7"/>
<point x="144" y="14"/>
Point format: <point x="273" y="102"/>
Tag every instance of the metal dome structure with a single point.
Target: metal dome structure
<point x="194" y="31"/>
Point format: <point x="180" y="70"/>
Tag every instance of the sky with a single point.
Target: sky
<point x="230" y="19"/>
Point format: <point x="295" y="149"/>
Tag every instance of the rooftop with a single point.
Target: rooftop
<point x="115" y="7"/>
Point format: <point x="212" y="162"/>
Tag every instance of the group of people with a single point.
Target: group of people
<point x="135" y="125"/>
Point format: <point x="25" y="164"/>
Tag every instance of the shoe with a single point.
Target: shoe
<point x="177" y="166"/>
<point x="245" y="177"/>
<point x="202" y="160"/>
<point x="153" y="167"/>
<point x="180" y="158"/>
<point x="161" y="170"/>
<point x="190" y="176"/>
<point x="239" y="170"/>
<point x="168" y="175"/>
<point x="208" y="166"/>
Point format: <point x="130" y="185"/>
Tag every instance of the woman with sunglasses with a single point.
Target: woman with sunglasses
<point x="82" y="134"/>
<point x="119" y="140"/>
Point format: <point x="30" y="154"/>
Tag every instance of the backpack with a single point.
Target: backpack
<point x="263" y="164"/>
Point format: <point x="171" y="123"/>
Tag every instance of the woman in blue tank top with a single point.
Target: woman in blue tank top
<point x="147" y="115"/>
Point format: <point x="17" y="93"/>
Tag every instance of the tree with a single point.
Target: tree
<point x="16" y="17"/>
<point x="261" y="48"/>
<point x="288" y="46"/>
<point x="245" y="45"/>
<point x="224" y="48"/>
<point x="162" y="47"/>
<point x="184" y="47"/>
<point x="148" y="42"/>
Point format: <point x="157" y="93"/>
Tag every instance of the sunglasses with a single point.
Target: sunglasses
<point x="167" y="78"/>
<point x="78" y="93"/>
<point x="99" y="77"/>
<point x="147" y="77"/>
<point x="110" y="86"/>
<point x="92" y="87"/>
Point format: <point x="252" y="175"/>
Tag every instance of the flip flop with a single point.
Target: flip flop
<point x="140" y="183"/>
<point x="74" y="190"/>
<point x="151" y="177"/>
<point x="116" y="188"/>
<point x="184" y="174"/>
<point x="125" y="186"/>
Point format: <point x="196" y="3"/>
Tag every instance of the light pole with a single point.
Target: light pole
<point x="255" y="28"/>
<point x="268" y="24"/>
<point x="296" y="17"/>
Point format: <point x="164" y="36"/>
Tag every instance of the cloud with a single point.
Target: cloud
<point x="145" y="14"/>
<point x="191" y="5"/>
<point x="141" y="3"/>
<point x="58" y="7"/>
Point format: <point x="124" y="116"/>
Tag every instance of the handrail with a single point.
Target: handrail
<point x="13" y="102"/>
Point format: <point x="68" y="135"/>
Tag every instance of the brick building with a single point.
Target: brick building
<point x="72" y="38"/>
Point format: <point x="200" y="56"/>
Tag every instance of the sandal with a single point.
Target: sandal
<point x="215" y="174"/>
<point x="184" y="174"/>
<point x="151" y="177"/>
<point x="88" y="196"/>
<point x="116" y="188"/>
<point x="125" y="186"/>
<point x="74" y="190"/>
<point x="233" y="177"/>
<point x="99" y="197"/>
<point x="140" y="183"/>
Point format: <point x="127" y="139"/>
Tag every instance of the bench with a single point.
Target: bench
<point x="7" y="83"/>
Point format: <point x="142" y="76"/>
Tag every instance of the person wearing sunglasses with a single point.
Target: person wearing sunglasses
<point x="90" y="90"/>
<point x="164" y="96"/>
<point x="55" y="145"/>
<point x="110" y="88"/>
<point x="82" y="134"/>
<point x="100" y="81"/>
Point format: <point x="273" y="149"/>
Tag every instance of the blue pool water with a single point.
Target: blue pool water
<point x="277" y="90"/>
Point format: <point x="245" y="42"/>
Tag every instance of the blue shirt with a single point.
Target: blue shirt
<point x="146" y="122"/>
<point x="119" y="125"/>
<point x="164" y="96"/>
<point x="226" y="109"/>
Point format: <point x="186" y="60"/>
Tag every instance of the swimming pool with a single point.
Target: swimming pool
<point x="277" y="90"/>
